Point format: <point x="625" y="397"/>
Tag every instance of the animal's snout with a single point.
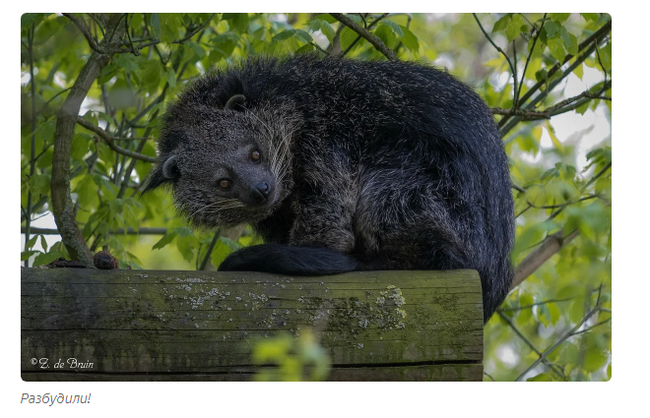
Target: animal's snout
<point x="260" y="192"/>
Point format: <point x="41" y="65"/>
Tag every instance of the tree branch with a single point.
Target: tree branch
<point x="522" y="307"/>
<point x="374" y="40"/>
<point x="373" y="23"/>
<point x="62" y="206"/>
<point x="512" y="67"/>
<point x="561" y="107"/>
<point x="524" y="114"/>
<point x="208" y="253"/>
<point x="553" y="367"/>
<point x="177" y="41"/>
<point x="530" y="55"/>
<point x="32" y="151"/>
<point x="85" y="31"/>
<point x="518" y="188"/>
<point x="549" y="247"/>
<point x="582" y="189"/>
<point x="118" y="231"/>
<point x="586" y="44"/>
<point x="570" y="334"/>
<point x="116" y="47"/>
<point x="110" y="141"/>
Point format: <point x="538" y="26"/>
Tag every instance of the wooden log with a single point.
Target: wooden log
<point x="191" y="325"/>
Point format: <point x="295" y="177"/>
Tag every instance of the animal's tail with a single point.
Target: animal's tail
<point x="284" y="259"/>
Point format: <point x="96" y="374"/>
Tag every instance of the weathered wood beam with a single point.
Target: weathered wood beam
<point x="191" y="325"/>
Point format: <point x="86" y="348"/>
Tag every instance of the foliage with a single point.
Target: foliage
<point x="519" y="63"/>
<point x="299" y="358"/>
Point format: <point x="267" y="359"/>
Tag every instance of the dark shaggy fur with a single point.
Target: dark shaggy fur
<point x="343" y="165"/>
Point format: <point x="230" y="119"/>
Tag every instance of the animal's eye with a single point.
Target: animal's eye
<point x="256" y="156"/>
<point x="225" y="184"/>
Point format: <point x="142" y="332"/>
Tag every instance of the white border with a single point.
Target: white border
<point x="630" y="283"/>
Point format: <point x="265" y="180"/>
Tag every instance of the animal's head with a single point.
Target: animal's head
<point x="227" y="163"/>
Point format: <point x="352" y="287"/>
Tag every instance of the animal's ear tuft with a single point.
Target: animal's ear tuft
<point x="236" y="102"/>
<point x="165" y="171"/>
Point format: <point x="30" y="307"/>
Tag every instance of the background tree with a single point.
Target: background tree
<point x="94" y="85"/>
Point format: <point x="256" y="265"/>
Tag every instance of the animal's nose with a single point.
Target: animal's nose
<point x="264" y="189"/>
<point x="260" y="192"/>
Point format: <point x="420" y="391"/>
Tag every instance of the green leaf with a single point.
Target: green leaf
<point x="223" y="46"/>
<point x="554" y="139"/>
<point x="605" y="54"/>
<point x="327" y="30"/>
<point x="126" y="61"/>
<point x="186" y="246"/>
<point x="166" y="239"/>
<point x="222" y="249"/>
<point x="314" y="25"/>
<point x="502" y="23"/>
<point x="27" y="19"/>
<point x="590" y="17"/>
<point x="573" y="46"/>
<point x="531" y="235"/>
<point x="170" y="25"/>
<point x="554" y="312"/>
<point x="199" y="52"/>
<point x="44" y="259"/>
<point x="285" y="34"/>
<point x="303" y="36"/>
<point x="237" y="21"/>
<point x="80" y="146"/>
<point x="121" y="96"/>
<point x="43" y="243"/>
<point x="234" y="246"/>
<point x="595" y="359"/>
<point x="27" y="254"/>
<point x="39" y="184"/>
<point x="86" y="191"/>
<point x="566" y="37"/>
<point x="552" y="29"/>
<point x="559" y="17"/>
<point x="151" y="75"/>
<point x="155" y="24"/>
<point x="582" y="109"/>
<point x="569" y="353"/>
<point x="115" y="206"/>
<point x="579" y="71"/>
<point x="331" y="19"/>
<point x="184" y="231"/>
<point x="397" y="29"/>
<point x="384" y="33"/>
<point x="577" y="309"/>
<point x="348" y="36"/>
<point x="556" y="48"/>
<point x="514" y="27"/>
<point x="542" y="377"/>
<point x="409" y="40"/>
<point x="541" y="74"/>
<point x="170" y="77"/>
<point x="543" y="315"/>
<point x="526" y="314"/>
<point x="31" y="242"/>
<point x="305" y="49"/>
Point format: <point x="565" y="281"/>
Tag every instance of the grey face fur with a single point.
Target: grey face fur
<point x="229" y="166"/>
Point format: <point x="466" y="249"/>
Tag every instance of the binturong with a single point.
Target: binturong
<point x="343" y="165"/>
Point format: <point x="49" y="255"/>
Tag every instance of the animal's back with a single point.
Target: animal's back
<point x="429" y="165"/>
